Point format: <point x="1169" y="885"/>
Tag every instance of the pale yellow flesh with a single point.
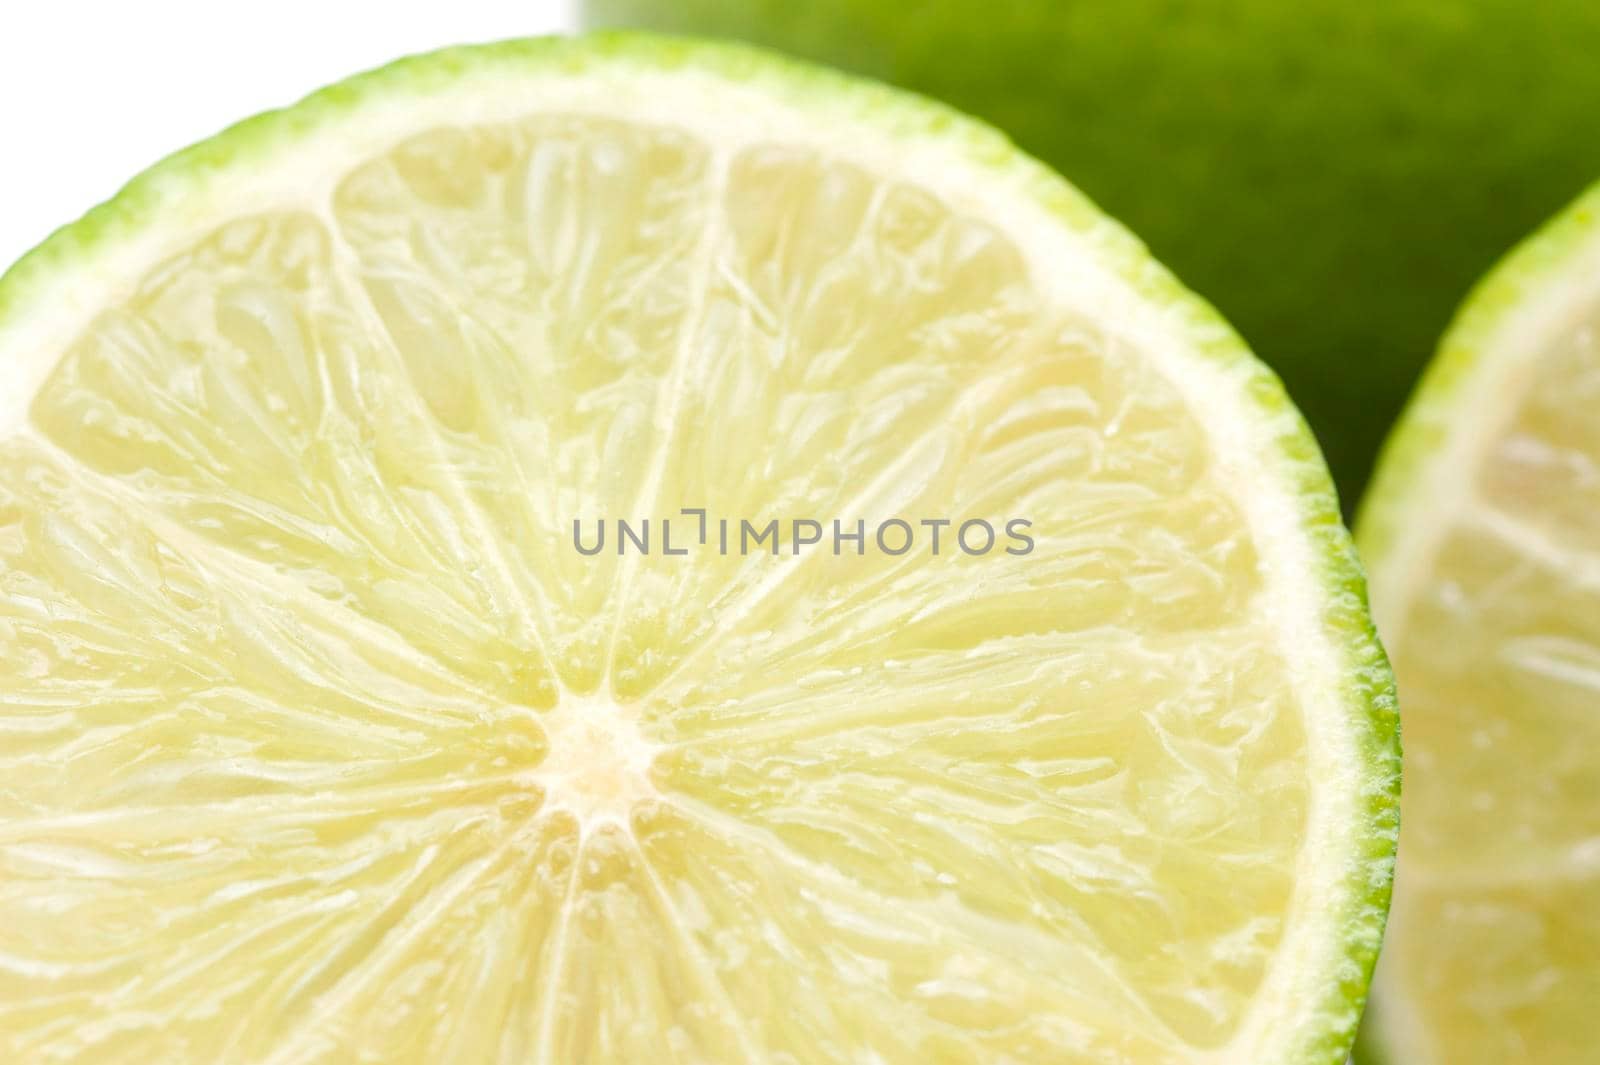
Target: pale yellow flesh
<point x="1493" y="950"/>
<point x="322" y="741"/>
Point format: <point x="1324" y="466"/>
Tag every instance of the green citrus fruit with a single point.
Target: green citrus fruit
<point x="322" y="742"/>
<point x="1482" y="530"/>
<point x="1332" y="173"/>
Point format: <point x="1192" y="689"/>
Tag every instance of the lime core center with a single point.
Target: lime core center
<point x="598" y="764"/>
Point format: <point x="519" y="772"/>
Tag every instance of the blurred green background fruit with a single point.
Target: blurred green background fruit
<point x="1332" y="174"/>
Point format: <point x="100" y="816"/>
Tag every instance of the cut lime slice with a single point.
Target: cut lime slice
<point x="1483" y="532"/>
<point x="323" y="741"/>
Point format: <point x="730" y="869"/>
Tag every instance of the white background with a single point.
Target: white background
<point x="94" y="91"/>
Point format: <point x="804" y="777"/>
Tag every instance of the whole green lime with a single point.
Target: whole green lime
<point x="1333" y="174"/>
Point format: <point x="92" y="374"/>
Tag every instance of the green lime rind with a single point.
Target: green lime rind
<point x="1462" y="355"/>
<point x="1361" y="898"/>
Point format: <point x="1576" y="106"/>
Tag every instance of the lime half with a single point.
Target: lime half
<point x="1483" y="533"/>
<point x="327" y="738"/>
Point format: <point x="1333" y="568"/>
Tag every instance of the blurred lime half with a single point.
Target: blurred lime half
<point x="1482" y="531"/>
